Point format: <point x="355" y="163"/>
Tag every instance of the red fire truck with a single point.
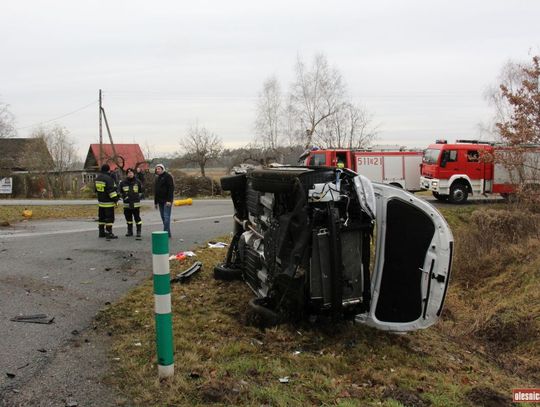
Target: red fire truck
<point x="453" y="171"/>
<point x="389" y="165"/>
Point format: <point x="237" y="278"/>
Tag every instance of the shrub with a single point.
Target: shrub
<point x="492" y="241"/>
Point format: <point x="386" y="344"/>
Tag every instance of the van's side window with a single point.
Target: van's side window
<point x="319" y="159"/>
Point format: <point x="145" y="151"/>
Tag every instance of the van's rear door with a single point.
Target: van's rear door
<point x="412" y="262"/>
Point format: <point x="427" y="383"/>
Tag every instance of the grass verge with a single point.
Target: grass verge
<point x="222" y="359"/>
<point x="11" y="214"/>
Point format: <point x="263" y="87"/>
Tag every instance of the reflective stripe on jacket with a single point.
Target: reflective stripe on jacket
<point x="131" y="190"/>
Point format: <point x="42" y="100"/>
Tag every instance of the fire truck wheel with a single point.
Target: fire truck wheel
<point x="233" y="182"/>
<point x="511" y="198"/>
<point x="440" y="197"/>
<point x="458" y="194"/>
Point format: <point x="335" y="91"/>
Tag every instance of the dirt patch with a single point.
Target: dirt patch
<point x="219" y="391"/>
<point x="505" y="330"/>
<point x="405" y="397"/>
<point x="31" y="285"/>
<point x="486" y="397"/>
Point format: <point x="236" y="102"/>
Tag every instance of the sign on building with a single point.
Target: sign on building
<point x="6" y="185"/>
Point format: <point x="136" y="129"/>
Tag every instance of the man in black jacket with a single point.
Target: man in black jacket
<point x="107" y="196"/>
<point x="130" y="190"/>
<point x="164" y="195"/>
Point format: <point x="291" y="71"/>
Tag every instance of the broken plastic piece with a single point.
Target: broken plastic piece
<point x="182" y="255"/>
<point x="36" y="319"/>
<point x="217" y="245"/>
<point x="186" y="274"/>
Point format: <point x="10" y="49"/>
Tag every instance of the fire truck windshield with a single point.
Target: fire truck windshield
<point x="431" y="155"/>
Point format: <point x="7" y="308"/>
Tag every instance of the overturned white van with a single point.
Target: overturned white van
<point x="326" y="241"/>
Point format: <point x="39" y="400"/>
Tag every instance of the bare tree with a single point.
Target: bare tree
<point x="148" y="152"/>
<point x="510" y="77"/>
<point x="7" y="122"/>
<point x="61" y="146"/>
<point x="317" y="93"/>
<point x="350" y="127"/>
<point x="200" y="145"/>
<point x="268" y="123"/>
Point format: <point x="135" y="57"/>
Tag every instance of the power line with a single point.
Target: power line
<point x="59" y="117"/>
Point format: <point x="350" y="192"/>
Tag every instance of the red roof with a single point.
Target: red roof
<point x="129" y="154"/>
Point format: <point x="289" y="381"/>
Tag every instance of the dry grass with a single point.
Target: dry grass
<point x="13" y="213"/>
<point x="214" y="173"/>
<point x="494" y="305"/>
<point x="221" y="359"/>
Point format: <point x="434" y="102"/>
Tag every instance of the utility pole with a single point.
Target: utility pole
<point x="115" y="157"/>
<point x="100" y="135"/>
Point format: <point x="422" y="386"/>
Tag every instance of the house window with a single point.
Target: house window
<point x="88" y="178"/>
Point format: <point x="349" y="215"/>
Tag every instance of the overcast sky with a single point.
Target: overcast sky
<point x="420" y="67"/>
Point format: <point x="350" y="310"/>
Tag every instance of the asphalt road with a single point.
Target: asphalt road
<point x="61" y="269"/>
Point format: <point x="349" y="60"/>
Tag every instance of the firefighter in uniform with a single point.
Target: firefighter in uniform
<point x="107" y="199"/>
<point x="131" y="189"/>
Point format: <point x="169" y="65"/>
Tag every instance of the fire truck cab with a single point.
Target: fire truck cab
<point x="453" y="171"/>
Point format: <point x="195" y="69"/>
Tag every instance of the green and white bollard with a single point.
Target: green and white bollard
<point x="162" y="298"/>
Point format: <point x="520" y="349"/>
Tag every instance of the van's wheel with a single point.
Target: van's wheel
<point x="267" y="316"/>
<point x="440" y="197"/>
<point x="233" y="182"/>
<point x="221" y="272"/>
<point x="396" y="184"/>
<point x="458" y="194"/>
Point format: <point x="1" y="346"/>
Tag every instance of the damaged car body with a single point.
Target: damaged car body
<point x="326" y="241"/>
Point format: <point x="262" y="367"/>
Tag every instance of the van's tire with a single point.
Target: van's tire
<point x="439" y="197"/>
<point x="233" y="182"/>
<point x="223" y="273"/>
<point x="396" y="184"/>
<point x="274" y="184"/>
<point x="458" y="194"/>
<point x="267" y="316"/>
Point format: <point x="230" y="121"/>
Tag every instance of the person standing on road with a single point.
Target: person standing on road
<point x="164" y="195"/>
<point x="130" y="190"/>
<point x="107" y="196"/>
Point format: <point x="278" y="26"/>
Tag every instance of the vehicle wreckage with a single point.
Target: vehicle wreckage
<point x="325" y="241"/>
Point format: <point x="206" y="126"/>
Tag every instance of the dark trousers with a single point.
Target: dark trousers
<point x="106" y="216"/>
<point x="133" y="214"/>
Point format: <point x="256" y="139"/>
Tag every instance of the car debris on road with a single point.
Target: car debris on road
<point x="35" y="319"/>
<point x="186" y="274"/>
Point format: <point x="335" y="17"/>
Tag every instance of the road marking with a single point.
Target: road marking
<point x="16" y="233"/>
